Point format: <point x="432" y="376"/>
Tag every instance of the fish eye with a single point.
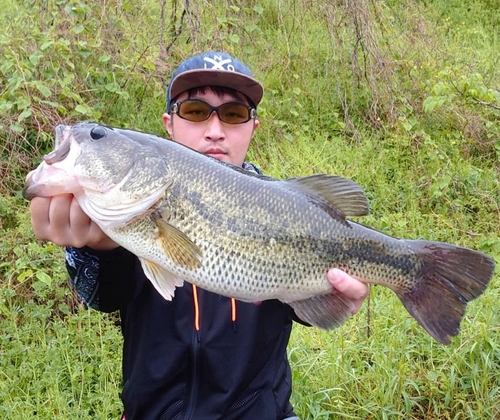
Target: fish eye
<point x="98" y="133"/>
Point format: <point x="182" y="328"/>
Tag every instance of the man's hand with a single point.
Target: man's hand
<point x="352" y="289"/>
<point x="60" y="219"/>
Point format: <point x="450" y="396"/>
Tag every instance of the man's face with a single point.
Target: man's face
<point x="226" y="142"/>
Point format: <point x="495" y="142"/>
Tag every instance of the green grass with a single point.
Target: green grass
<point x="388" y="367"/>
<point x="400" y="96"/>
<point x="59" y="368"/>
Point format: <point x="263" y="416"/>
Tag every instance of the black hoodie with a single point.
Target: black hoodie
<point x="199" y="356"/>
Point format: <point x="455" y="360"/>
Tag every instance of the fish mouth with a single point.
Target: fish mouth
<point x="62" y="145"/>
<point x="28" y="191"/>
<point x="53" y="176"/>
<point x="47" y="183"/>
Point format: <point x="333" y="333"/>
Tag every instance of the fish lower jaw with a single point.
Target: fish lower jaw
<point x="46" y="190"/>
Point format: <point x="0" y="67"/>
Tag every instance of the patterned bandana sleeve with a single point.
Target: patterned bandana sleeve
<point x="250" y="167"/>
<point x="83" y="269"/>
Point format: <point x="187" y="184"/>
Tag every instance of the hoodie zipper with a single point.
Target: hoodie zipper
<point x="195" y="373"/>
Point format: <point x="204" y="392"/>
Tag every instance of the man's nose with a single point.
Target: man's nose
<point x="214" y="130"/>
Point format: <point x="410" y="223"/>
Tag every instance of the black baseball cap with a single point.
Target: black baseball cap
<point x="214" y="69"/>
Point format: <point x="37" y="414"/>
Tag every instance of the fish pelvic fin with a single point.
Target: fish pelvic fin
<point x="179" y="248"/>
<point x="450" y="277"/>
<point x="343" y="194"/>
<point x="163" y="280"/>
<point x="326" y="311"/>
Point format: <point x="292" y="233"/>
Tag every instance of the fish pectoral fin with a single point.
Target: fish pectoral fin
<point x="342" y="193"/>
<point x="324" y="311"/>
<point x="181" y="250"/>
<point x="163" y="280"/>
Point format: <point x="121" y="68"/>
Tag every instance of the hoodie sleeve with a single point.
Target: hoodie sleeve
<point x="103" y="280"/>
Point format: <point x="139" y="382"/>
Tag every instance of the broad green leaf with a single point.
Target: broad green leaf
<point x="84" y="109"/>
<point x="44" y="277"/>
<point x="51" y="103"/>
<point x="23" y="115"/>
<point x="17" y="128"/>
<point x="23" y="103"/>
<point x="112" y="87"/>
<point x="104" y="58"/>
<point x="124" y="94"/>
<point x="13" y="84"/>
<point x="35" y="59"/>
<point x="6" y="66"/>
<point x="46" y="45"/>
<point x="258" y="9"/>
<point x="43" y="89"/>
<point x="431" y="103"/>
<point x="85" y="53"/>
<point x="24" y="275"/>
<point x="5" y="105"/>
<point x="252" y="28"/>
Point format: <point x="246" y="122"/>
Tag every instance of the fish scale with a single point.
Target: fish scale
<point x="189" y="217"/>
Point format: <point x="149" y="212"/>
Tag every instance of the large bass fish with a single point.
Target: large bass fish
<point x="189" y="217"/>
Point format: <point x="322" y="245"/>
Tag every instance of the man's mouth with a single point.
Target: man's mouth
<point x="215" y="152"/>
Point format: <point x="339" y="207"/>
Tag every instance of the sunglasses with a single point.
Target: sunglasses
<point x="196" y="110"/>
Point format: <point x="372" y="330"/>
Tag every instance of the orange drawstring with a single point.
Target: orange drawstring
<point x="233" y="310"/>
<point x="196" y="309"/>
<point x="233" y="313"/>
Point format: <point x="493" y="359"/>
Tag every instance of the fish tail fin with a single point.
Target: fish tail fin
<point x="448" y="279"/>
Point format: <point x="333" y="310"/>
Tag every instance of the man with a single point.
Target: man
<point x="200" y="356"/>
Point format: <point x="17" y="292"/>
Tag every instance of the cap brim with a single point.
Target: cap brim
<point x="209" y="77"/>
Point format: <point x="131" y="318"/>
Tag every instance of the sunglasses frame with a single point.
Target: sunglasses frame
<point x="252" y="112"/>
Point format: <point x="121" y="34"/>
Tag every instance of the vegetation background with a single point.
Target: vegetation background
<point x="401" y="96"/>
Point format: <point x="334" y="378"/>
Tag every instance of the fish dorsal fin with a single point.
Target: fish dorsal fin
<point x="163" y="280"/>
<point x="179" y="248"/>
<point x="341" y="193"/>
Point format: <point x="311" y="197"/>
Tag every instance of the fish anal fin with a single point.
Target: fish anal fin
<point x="341" y="193"/>
<point x="326" y="311"/>
<point x="180" y="249"/>
<point x="163" y="280"/>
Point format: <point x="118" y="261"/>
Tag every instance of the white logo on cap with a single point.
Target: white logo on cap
<point x="218" y="63"/>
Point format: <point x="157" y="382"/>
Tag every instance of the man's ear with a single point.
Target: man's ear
<point x="167" y="122"/>
<point x="255" y="125"/>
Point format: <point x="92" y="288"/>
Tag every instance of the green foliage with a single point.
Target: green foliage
<point x="29" y="270"/>
<point x="459" y="94"/>
<point x="58" y="368"/>
<point x="61" y="62"/>
<point x="57" y="359"/>
<point x="403" y="98"/>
